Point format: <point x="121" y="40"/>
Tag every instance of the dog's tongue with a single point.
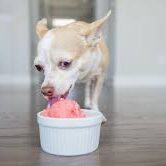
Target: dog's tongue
<point x="53" y="100"/>
<point x="57" y="98"/>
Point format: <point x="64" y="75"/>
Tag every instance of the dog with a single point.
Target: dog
<point x="71" y="53"/>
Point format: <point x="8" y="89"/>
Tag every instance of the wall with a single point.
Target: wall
<point x="15" y="42"/>
<point x="140" y="43"/>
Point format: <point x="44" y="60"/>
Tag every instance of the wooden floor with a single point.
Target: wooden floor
<point x="135" y="134"/>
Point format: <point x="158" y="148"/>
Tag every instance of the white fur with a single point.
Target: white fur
<point x="84" y="68"/>
<point x="61" y="80"/>
<point x="89" y="65"/>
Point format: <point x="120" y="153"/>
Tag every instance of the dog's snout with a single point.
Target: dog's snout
<point x="47" y="91"/>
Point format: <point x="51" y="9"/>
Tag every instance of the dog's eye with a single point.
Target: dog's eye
<point x="39" y="68"/>
<point x="64" y="64"/>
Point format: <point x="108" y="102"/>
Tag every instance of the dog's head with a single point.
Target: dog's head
<point x="63" y="54"/>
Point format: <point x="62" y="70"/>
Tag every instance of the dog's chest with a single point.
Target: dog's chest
<point x="92" y="67"/>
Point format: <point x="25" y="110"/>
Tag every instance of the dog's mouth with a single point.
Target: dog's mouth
<point x="54" y="99"/>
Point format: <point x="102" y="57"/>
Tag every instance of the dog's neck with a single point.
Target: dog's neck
<point x="92" y="67"/>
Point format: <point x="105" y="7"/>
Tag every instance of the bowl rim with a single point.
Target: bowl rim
<point x="71" y="122"/>
<point x="99" y="114"/>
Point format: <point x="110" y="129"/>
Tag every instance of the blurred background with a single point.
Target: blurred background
<point x="135" y="34"/>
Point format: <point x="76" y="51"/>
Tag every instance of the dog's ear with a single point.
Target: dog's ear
<point x="41" y="28"/>
<point x="92" y="32"/>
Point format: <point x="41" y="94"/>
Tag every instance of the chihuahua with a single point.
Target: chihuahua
<point x="71" y="53"/>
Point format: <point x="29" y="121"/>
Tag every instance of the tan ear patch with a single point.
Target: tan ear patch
<point x="92" y="31"/>
<point x="41" y="28"/>
<point x="94" y="26"/>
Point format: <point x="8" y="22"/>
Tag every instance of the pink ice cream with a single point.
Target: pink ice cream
<point x="64" y="108"/>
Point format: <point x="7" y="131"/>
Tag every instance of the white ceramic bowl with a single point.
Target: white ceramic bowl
<point x="70" y="136"/>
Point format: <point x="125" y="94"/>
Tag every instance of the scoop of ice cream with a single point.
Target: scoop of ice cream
<point x="64" y="108"/>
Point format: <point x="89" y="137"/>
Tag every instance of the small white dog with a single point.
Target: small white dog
<point x="71" y="53"/>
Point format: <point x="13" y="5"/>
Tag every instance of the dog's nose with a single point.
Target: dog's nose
<point x="47" y="91"/>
